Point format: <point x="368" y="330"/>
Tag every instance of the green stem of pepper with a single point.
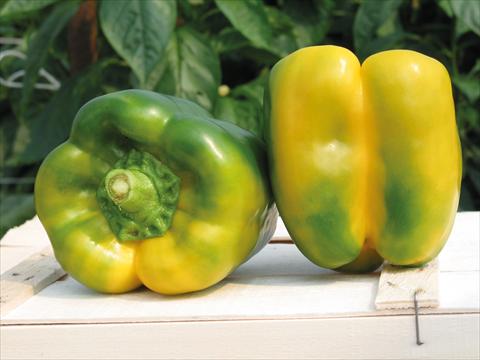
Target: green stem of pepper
<point x="131" y="190"/>
<point x="138" y="197"/>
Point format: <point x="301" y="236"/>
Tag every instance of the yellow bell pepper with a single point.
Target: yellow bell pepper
<point x="365" y="160"/>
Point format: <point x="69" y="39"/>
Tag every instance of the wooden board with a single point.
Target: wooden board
<point x="279" y="282"/>
<point x="398" y="287"/>
<point x="28" y="278"/>
<point x="278" y="304"/>
<point x="380" y="337"/>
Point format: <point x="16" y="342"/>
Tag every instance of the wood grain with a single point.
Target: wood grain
<point x="28" y="278"/>
<point x="397" y="286"/>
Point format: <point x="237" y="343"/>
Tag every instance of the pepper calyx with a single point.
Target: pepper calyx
<point x="139" y="196"/>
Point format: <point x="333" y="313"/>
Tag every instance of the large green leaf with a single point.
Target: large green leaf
<point x="266" y="27"/>
<point x="467" y="11"/>
<point x="228" y="39"/>
<point x="15" y="209"/>
<point x="250" y="18"/>
<point x="52" y="125"/>
<point x="192" y="68"/>
<point x="8" y="128"/>
<point x="468" y="118"/>
<point x="376" y="19"/>
<point x="283" y="28"/>
<point x="18" y="8"/>
<point x="38" y="48"/>
<point x="311" y="19"/>
<point x="445" y="6"/>
<point x="139" y="31"/>
<point x="468" y="85"/>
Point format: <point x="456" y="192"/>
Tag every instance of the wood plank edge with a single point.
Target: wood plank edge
<point x="136" y="320"/>
<point x="28" y="278"/>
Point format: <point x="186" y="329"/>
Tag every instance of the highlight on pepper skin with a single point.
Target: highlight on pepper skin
<point x="365" y="158"/>
<point x="142" y="193"/>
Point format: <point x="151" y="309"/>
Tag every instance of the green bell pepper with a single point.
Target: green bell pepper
<point x="150" y="189"/>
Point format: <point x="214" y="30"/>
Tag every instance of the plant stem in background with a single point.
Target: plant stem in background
<point x="82" y="37"/>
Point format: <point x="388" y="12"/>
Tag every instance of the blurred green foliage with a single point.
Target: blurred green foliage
<point x="189" y="48"/>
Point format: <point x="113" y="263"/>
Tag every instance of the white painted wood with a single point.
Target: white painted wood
<point x="265" y="297"/>
<point x="277" y="305"/>
<point x="281" y="232"/>
<point x="28" y="278"/>
<point x="398" y="285"/>
<point x="21" y="242"/>
<point x="279" y="282"/>
<point x="380" y="337"/>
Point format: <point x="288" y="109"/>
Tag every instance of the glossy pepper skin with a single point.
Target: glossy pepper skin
<point x="150" y="189"/>
<point x="365" y="160"/>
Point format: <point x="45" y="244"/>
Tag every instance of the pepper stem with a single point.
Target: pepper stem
<point x="131" y="190"/>
<point x="138" y="197"/>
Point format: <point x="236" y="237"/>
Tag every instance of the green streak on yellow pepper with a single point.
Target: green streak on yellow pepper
<point x="365" y="159"/>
